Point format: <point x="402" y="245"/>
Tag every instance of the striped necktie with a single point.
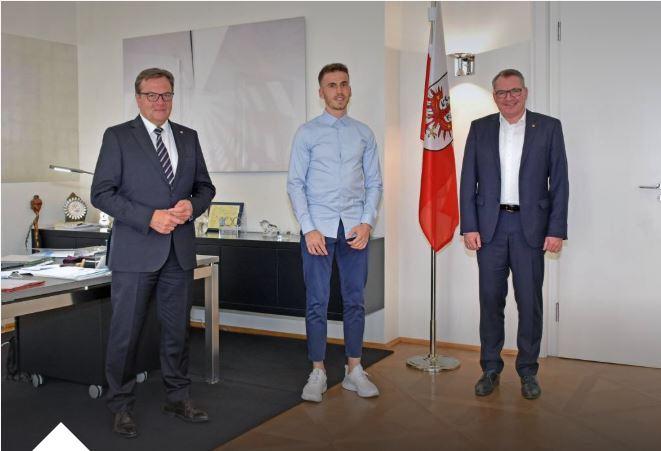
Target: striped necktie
<point x="163" y="157"/>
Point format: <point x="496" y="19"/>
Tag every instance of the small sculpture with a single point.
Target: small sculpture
<point x="268" y="228"/>
<point x="35" y="204"/>
<point x="202" y="224"/>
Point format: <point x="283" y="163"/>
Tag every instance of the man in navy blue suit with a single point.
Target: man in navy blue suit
<point x="514" y="197"/>
<point x="152" y="178"/>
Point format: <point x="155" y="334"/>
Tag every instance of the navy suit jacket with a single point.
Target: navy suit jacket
<point x="543" y="179"/>
<point x="129" y="184"/>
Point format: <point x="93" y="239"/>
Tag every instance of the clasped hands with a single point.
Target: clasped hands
<point x="165" y="221"/>
<point x="316" y="243"/>
<point x="473" y="242"/>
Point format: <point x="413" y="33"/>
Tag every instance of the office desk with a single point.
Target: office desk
<point x="56" y="295"/>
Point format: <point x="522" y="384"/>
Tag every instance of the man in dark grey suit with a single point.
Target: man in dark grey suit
<point x="514" y="194"/>
<point x="152" y="178"/>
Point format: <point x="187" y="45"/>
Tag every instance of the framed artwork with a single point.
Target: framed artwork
<point x="225" y="215"/>
<point x="242" y="87"/>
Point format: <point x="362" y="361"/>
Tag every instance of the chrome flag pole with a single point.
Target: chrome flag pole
<point x="433" y="363"/>
<point x="439" y="210"/>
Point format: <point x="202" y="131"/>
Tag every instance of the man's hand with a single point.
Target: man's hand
<point x="362" y="235"/>
<point x="316" y="243"/>
<point x="552" y="244"/>
<point x="182" y="210"/>
<point x="164" y="222"/>
<point x="472" y="241"/>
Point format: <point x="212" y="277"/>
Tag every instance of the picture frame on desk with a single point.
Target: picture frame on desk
<point x="225" y="216"/>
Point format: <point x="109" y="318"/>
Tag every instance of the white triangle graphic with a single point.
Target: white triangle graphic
<point x="60" y="439"/>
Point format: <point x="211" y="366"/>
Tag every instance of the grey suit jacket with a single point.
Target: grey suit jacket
<point x="543" y="179"/>
<point x="129" y="184"/>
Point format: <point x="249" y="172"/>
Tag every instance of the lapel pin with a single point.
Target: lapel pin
<point x="533" y="125"/>
<point x="181" y="132"/>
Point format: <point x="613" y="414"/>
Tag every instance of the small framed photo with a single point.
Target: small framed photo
<point x="225" y="215"/>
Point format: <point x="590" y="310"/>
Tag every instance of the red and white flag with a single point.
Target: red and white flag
<point x="439" y="210"/>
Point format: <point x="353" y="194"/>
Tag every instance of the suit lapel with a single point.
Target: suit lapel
<point x="142" y="136"/>
<point x="178" y="134"/>
<point x="494" y="129"/>
<point x="529" y="136"/>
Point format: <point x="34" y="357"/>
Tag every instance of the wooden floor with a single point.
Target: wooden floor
<point x="584" y="406"/>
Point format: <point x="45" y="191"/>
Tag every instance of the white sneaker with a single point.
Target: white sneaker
<point x="316" y="386"/>
<point x="357" y="381"/>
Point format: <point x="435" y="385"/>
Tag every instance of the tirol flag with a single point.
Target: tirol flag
<point x="439" y="210"/>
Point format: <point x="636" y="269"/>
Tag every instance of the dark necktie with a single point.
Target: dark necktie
<point x="163" y="157"/>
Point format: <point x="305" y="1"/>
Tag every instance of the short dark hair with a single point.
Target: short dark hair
<point x="153" y="72"/>
<point x="508" y="73"/>
<point x="333" y="67"/>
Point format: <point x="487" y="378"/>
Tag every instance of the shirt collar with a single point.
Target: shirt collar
<point x="331" y="120"/>
<point x="151" y="127"/>
<point x="519" y="123"/>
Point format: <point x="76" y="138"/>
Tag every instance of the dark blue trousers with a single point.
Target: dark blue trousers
<point x="509" y="251"/>
<point x="317" y="270"/>
<point x="172" y="289"/>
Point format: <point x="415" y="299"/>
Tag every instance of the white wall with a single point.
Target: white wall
<point x="51" y="21"/>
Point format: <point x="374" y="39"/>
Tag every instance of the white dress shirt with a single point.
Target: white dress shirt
<point x="510" y="146"/>
<point x="168" y="140"/>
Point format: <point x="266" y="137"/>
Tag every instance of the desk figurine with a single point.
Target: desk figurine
<point x="35" y="204"/>
<point x="269" y="229"/>
<point x="202" y="224"/>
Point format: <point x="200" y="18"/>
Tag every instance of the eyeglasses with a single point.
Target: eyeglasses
<point x="514" y="92"/>
<point x="153" y="97"/>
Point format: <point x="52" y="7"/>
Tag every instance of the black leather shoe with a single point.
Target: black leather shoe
<point x="530" y="388"/>
<point x="124" y="425"/>
<point x="185" y="411"/>
<point x="487" y="383"/>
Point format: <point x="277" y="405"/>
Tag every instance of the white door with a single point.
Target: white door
<point x="609" y="274"/>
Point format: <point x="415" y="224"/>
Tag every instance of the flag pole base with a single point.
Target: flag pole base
<point x="433" y="363"/>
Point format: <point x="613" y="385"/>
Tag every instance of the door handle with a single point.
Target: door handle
<point x="657" y="186"/>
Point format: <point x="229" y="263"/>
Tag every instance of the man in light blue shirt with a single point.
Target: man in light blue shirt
<point x="334" y="184"/>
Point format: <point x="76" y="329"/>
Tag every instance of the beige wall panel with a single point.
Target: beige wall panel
<point x="39" y="109"/>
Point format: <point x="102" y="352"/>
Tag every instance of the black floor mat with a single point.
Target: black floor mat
<point x="261" y="376"/>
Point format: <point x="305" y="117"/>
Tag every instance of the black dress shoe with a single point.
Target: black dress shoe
<point x="185" y="411"/>
<point x="124" y="425"/>
<point x="487" y="383"/>
<point x="530" y="388"/>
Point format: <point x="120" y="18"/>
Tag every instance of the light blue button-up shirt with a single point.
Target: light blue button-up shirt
<point x="334" y="175"/>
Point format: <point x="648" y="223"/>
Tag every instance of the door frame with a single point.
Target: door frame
<point x="544" y="99"/>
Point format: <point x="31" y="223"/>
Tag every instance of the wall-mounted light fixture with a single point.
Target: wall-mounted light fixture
<point x="464" y="64"/>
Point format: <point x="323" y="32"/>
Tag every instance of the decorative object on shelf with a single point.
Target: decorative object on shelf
<point x="75" y="209"/>
<point x="225" y="217"/>
<point x="35" y="204"/>
<point x="269" y="229"/>
<point x="202" y="224"/>
<point x="105" y="220"/>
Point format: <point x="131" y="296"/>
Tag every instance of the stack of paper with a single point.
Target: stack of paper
<point x="74" y="225"/>
<point x="71" y="272"/>
<point x="32" y="259"/>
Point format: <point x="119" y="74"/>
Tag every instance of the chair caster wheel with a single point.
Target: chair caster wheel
<point x="95" y="391"/>
<point x="37" y="380"/>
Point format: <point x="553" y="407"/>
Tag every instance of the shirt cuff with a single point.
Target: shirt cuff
<point x="307" y="226"/>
